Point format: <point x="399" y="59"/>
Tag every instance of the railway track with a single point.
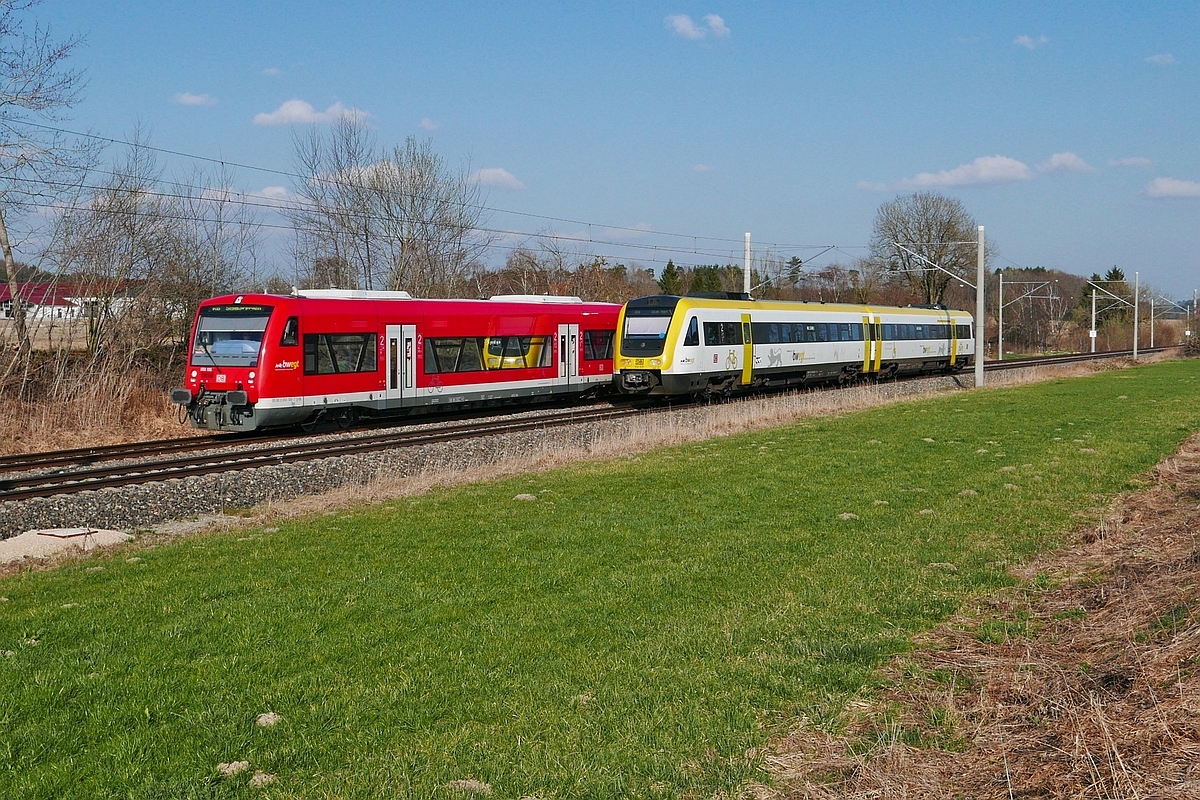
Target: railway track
<point x="1071" y="358"/>
<point x="70" y="471"/>
<point x="48" y="484"/>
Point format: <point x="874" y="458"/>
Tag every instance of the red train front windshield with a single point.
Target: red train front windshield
<point x="229" y="336"/>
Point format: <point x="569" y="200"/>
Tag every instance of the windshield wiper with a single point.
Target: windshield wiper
<point x="208" y="353"/>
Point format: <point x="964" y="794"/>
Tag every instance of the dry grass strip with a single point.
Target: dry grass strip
<point x="1099" y="698"/>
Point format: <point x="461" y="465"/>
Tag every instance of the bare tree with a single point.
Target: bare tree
<point x="36" y="162"/>
<point x="385" y="220"/>
<point x="143" y="253"/>
<point x="915" y="232"/>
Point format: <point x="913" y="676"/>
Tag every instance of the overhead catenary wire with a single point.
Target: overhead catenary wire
<point x="658" y="254"/>
<point x="778" y="246"/>
<point x="241" y="199"/>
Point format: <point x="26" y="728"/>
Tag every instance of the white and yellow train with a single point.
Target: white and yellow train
<point x="714" y="344"/>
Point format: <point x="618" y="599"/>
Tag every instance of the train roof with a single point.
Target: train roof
<point x="338" y="296"/>
<point x="736" y="300"/>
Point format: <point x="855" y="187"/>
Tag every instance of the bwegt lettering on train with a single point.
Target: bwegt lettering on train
<point x="259" y="360"/>
<point x="718" y="343"/>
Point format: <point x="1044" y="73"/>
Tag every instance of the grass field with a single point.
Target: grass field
<point x="638" y="630"/>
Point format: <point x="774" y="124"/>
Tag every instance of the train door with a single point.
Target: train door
<point x="878" y="330"/>
<point x="400" y="349"/>
<point x="872" y="343"/>
<point x="393" y="347"/>
<point x="747" y="350"/>
<point x="953" y="339"/>
<point x="568" y="354"/>
<point x="410" y="363"/>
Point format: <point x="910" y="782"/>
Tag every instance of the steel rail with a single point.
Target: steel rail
<point x="92" y="455"/>
<point x="51" y="484"/>
<point x="1069" y="358"/>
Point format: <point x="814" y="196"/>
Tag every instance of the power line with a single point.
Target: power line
<point x="241" y="199"/>
<point x="297" y="176"/>
<point x="489" y="245"/>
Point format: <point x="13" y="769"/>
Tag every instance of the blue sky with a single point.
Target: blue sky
<point x="1068" y="129"/>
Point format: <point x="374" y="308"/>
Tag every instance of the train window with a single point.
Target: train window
<point x="452" y="355"/>
<point x="964" y="331"/>
<point x="646" y="323"/>
<point x="692" y="339"/>
<point x="598" y="345"/>
<point x="336" y="353"/>
<point x="229" y="336"/>
<point x="720" y="333"/>
<point x="476" y="354"/>
<point x="822" y="332"/>
<point x="518" y="352"/>
<point x="747" y="334"/>
<point x="291" y="333"/>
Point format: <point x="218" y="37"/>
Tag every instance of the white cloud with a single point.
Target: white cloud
<point x="682" y="24"/>
<point x="278" y="195"/>
<point x="498" y="177"/>
<point x="701" y="168"/>
<point x="189" y="99"/>
<point x="272" y="71"/>
<point x="1029" y="43"/>
<point x="429" y="124"/>
<point x="1162" y="59"/>
<point x="1065" y="162"/>
<point x="298" y="111"/>
<point x="1171" y="187"/>
<point x="716" y="25"/>
<point x="1130" y="162"/>
<point x="268" y="195"/>
<point x="983" y="170"/>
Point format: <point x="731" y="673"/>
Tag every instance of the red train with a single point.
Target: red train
<point x="259" y="360"/>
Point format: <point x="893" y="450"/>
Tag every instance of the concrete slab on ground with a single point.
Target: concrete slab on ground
<point x="51" y="541"/>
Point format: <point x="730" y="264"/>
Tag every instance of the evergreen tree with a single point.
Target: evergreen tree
<point x="670" y="282"/>
<point x="705" y="279"/>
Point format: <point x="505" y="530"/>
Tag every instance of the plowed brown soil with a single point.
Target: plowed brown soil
<point x="1086" y="688"/>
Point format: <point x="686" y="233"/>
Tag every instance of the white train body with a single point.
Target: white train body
<point x="691" y="345"/>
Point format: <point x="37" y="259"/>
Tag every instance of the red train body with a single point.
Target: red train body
<point x="260" y="360"/>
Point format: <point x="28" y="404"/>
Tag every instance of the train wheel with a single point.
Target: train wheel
<point x="347" y="418"/>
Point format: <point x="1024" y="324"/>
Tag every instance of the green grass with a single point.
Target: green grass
<point x="633" y="633"/>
